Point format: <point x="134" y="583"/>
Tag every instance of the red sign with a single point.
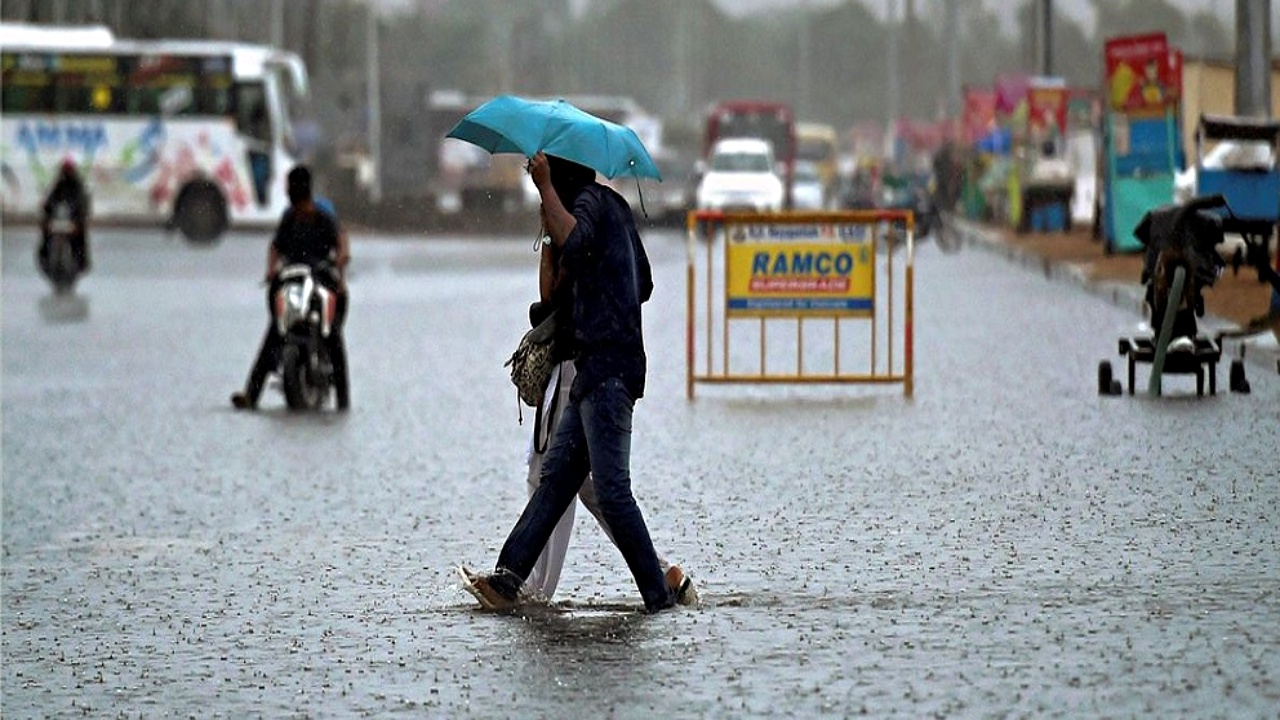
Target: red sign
<point x="1047" y="111"/>
<point x="979" y="113"/>
<point x="1011" y="91"/>
<point x="1142" y="74"/>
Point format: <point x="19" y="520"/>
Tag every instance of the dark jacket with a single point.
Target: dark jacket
<point x="610" y="277"/>
<point x="70" y="190"/>
<point x="309" y="237"/>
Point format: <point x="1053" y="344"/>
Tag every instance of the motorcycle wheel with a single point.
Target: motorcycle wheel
<point x="946" y="234"/>
<point x="300" y="389"/>
<point x="60" y="267"/>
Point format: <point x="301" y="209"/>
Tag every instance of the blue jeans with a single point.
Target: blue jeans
<point x="594" y="434"/>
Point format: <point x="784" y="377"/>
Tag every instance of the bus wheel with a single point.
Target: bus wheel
<point x="201" y="212"/>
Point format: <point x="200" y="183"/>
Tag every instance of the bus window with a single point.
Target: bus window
<point x="213" y="97"/>
<point x="152" y="83"/>
<point x="213" y="87"/>
<point x="104" y="97"/>
<point x="76" y="95"/>
<point x="69" y="96"/>
<point x="24" y="90"/>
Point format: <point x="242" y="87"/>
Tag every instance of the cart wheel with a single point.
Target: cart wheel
<point x="1106" y="385"/>
<point x="1239" y="384"/>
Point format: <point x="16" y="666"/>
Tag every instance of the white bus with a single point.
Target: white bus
<point x="194" y="134"/>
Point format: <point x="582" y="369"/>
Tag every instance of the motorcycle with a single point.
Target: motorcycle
<point x="57" y="257"/>
<point x="931" y="220"/>
<point x="304" y="312"/>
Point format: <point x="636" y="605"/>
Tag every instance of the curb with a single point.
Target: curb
<point x="1261" y="350"/>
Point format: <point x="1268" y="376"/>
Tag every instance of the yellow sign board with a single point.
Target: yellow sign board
<point x="810" y="269"/>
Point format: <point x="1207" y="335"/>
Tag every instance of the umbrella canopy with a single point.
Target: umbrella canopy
<point x="509" y="124"/>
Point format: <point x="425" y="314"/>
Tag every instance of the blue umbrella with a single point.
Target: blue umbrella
<point x="509" y="124"/>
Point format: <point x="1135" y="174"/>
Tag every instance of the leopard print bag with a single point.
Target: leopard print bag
<point x="532" y="362"/>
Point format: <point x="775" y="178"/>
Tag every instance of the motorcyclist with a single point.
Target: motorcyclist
<point x="69" y="190"/>
<point x="947" y="175"/>
<point x="310" y="235"/>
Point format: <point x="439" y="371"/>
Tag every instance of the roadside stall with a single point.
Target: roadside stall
<point x="1245" y="171"/>
<point x="1011" y="115"/>
<point x="1083" y="149"/>
<point x="1243" y="165"/>
<point x="1048" y="180"/>
<point x="1140" y="131"/>
<point x="982" y="136"/>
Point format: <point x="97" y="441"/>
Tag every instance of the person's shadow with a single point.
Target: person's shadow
<point x="64" y="307"/>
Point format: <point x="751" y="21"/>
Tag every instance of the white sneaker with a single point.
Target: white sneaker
<point x="1182" y="344"/>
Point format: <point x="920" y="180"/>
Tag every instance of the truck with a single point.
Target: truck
<point x="766" y="119"/>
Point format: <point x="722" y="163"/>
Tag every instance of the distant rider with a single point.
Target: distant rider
<point x="310" y="235"/>
<point x="69" y="190"/>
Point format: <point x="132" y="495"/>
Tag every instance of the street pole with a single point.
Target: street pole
<point x="1253" y="55"/>
<point x="277" y="23"/>
<point x="374" y="100"/>
<point x="890" y="131"/>
<point x="805" y="61"/>
<point x="953" y="59"/>
<point x="1046" y="39"/>
<point x="504" y="26"/>
<point x="678" y="103"/>
<point x="213" y="13"/>
<point x="1253" y="79"/>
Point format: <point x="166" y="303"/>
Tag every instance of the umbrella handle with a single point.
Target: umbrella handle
<point x="640" y="194"/>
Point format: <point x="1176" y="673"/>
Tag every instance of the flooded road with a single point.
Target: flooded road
<point x="1007" y="543"/>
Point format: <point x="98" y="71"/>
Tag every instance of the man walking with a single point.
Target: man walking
<point x="594" y="235"/>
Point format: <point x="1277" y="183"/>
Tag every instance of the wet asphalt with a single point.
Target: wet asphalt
<point x="1005" y="544"/>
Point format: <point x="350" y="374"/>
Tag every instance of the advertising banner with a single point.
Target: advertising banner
<point x="979" y="113"/>
<point x="799" y="269"/>
<point x="1011" y="93"/>
<point x="1143" y="75"/>
<point x="1047" y="111"/>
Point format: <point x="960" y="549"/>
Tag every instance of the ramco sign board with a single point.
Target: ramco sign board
<point x="809" y="269"/>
